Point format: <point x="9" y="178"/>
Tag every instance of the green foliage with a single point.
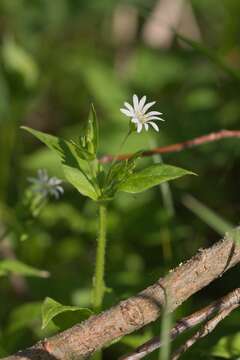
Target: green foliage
<point x="18" y="60"/>
<point x="17" y="267"/>
<point x="51" y="311"/>
<point x="209" y="216"/>
<point x="26" y="315"/>
<point x="151" y="176"/>
<point x="73" y="158"/>
<point x="121" y="176"/>
<point x="228" y="347"/>
<point x="55" y="58"/>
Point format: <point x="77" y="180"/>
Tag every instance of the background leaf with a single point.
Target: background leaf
<point x="17" y="267"/>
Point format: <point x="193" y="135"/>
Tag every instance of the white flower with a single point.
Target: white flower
<point x="46" y="185"/>
<point x="139" y="115"/>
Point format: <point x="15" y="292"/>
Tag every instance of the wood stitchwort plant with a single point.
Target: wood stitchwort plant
<point x="101" y="182"/>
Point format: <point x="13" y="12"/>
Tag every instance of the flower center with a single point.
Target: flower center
<point x="141" y="117"/>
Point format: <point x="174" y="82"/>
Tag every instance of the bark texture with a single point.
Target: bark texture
<point x="83" y="339"/>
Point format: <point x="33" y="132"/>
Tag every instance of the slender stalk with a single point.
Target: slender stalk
<point x="99" y="285"/>
<point x="166" y="322"/>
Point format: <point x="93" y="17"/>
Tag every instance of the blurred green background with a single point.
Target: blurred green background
<point x="58" y="56"/>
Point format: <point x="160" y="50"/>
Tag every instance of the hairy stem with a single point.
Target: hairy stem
<point x="99" y="285"/>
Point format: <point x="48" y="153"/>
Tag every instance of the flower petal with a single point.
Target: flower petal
<point x="152" y="113"/>
<point x="135" y="120"/>
<point x="126" y="112"/>
<point x="154" y="125"/>
<point x="141" y="103"/>
<point x="135" y="102"/>
<point x="146" y="126"/>
<point x="129" y="107"/>
<point x="147" y="106"/>
<point x="139" y="127"/>
<point x="155" y="118"/>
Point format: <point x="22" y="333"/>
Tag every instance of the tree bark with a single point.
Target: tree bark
<point x="83" y="339"/>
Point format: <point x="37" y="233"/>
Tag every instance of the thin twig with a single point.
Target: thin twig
<point x="185" y="324"/>
<point x="222" y="134"/>
<point x="204" y="331"/>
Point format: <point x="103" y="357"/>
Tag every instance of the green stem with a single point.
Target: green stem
<point x="99" y="285"/>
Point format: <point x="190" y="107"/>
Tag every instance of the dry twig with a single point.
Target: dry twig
<point x="204" y="331"/>
<point x="222" y="134"/>
<point x="186" y="323"/>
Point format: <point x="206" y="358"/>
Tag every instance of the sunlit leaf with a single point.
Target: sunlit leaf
<point x="80" y="181"/>
<point x="74" y="167"/>
<point x="51" y="309"/>
<point x="151" y="176"/>
<point x="63" y="148"/>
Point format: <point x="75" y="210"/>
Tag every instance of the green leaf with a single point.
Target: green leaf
<point x="71" y="156"/>
<point x="151" y="176"/>
<point x="80" y="182"/>
<point x="118" y="173"/>
<point x="67" y="151"/>
<point x="52" y="309"/>
<point x="228" y="347"/>
<point x="89" y="141"/>
<point x="17" y="267"/>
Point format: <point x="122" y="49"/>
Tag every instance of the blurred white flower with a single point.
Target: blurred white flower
<point x="139" y="115"/>
<point x="46" y="185"/>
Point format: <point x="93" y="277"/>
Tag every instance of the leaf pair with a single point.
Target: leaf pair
<point x="77" y="158"/>
<point x="86" y="174"/>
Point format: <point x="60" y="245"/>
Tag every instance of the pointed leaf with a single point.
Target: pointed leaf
<point x="92" y="131"/>
<point x="74" y="167"/>
<point x="80" y="182"/>
<point x="66" y="150"/>
<point x="52" y="308"/>
<point x="18" y="267"/>
<point x="151" y="176"/>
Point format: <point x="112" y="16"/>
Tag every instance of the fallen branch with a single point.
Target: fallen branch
<point x="186" y="323"/>
<point x="204" y="331"/>
<point x="179" y="146"/>
<point x="129" y="315"/>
